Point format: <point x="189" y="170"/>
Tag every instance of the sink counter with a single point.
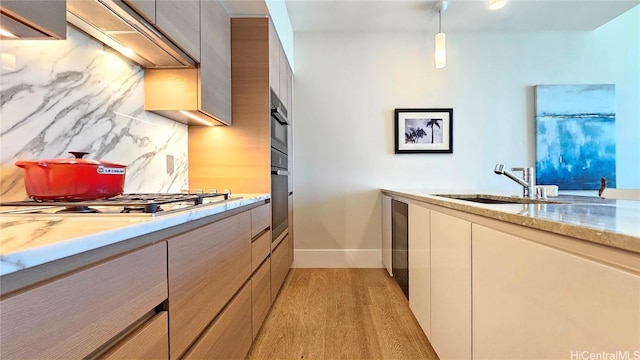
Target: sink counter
<point x="29" y="240"/>
<point x="615" y="223"/>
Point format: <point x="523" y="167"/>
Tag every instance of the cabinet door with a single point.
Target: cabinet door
<point x="450" y="286"/>
<point x="291" y="246"/>
<point x="206" y="267"/>
<point x="180" y="21"/>
<point x="215" y="62"/>
<point x="290" y="93"/>
<point x="94" y="305"/>
<point x="279" y="266"/>
<point x="150" y="341"/>
<point x="260" y="219"/>
<point x="386" y="232"/>
<point x="260" y="295"/>
<point x="531" y="301"/>
<point x="274" y="59"/>
<point x="283" y="94"/>
<point x="229" y="337"/>
<point x="420" y="266"/>
<point x="146" y="8"/>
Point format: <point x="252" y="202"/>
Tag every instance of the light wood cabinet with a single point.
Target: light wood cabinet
<point x="146" y="8"/>
<point x="291" y="242"/>
<point x="215" y="62"/>
<point x="386" y="233"/>
<point x="274" y="59"/>
<point x="205" y="92"/>
<point x="279" y="266"/>
<point x="260" y="249"/>
<point x="180" y="21"/>
<point x="73" y="316"/>
<point x="450" y="286"/>
<point x="206" y="267"/>
<point x="536" y="302"/>
<point x="149" y="342"/>
<point x="260" y="219"/>
<point x="229" y="337"/>
<point x="420" y="266"/>
<point x="38" y="20"/>
<point x="260" y="295"/>
<point x="283" y="93"/>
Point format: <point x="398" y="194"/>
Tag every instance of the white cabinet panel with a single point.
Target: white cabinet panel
<point x="450" y="286"/>
<point x="531" y="301"/>
<point x="420" y="266"/>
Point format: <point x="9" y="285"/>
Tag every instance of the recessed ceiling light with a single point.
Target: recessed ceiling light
<point x="497" y="4"/>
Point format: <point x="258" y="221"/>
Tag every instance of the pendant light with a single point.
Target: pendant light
<point x="440" y="38"/>
<point x="497" y="4"/>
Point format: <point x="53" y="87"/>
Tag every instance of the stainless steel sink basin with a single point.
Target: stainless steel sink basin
<point x="495" y="199"/>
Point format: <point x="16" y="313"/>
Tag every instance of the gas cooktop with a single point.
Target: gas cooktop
<point x="159" y="203"/>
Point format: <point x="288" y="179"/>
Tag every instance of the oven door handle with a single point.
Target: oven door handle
<point x="280" y="172"/>
<point x="279" y="116"/>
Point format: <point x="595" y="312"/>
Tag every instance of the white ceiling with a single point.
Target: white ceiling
<point x="461" y="15"/>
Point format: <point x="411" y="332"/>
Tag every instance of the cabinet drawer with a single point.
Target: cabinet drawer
<point x="260" y="249"/>
<point x="279" y="266"/>
<point x="260" y="295"/>
<point x="151" y="341"/>
<point x="94" y="305"/>
<point x="229" y="337"/>
<point x="206" y="267"/>
<point x="260" y="219"/>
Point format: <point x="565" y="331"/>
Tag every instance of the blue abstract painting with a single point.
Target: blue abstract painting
<point x="575" y="136"/>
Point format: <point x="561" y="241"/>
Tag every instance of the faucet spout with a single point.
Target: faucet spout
<point x="527" y="181"/>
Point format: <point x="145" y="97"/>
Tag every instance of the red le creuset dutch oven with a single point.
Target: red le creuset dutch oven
<point x="73" y="179"/>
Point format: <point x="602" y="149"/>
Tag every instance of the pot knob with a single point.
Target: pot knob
<point x="78" y="154"/>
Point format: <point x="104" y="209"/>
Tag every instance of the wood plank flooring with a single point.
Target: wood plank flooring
<point x="340" y="314"/>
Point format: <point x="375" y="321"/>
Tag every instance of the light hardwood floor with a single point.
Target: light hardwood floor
<point x="340" y="314"/>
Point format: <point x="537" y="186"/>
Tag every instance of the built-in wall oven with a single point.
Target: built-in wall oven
<point x="279" y="168"/>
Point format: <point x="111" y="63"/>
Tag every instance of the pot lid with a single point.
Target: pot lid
<point x="77" y="159"/>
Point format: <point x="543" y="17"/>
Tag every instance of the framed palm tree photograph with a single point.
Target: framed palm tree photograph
<point x="423" y="131"/>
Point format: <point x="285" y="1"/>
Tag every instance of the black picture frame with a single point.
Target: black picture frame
<point x="423" y="131"/>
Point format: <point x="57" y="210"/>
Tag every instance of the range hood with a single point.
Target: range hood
<point x="33" y="20"/>
<point x="114" y="23"/>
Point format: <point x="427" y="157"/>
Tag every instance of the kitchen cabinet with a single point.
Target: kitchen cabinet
<point x="229" y="337"/>
<point x="540" y="302"/>
<point x="386" y="232"/>
<point x="149" y="342"/>
<point x="204" y="92"/>
<point x="180" y="21"/>
<point x="146" y="8"/>
<point x="279" y="266"/>
<point x="38" y="20"/>
<point x="420" y="266"/>
<point x="450" y="286"/>
<point x="95" y="304"/>
<point x="206" y="266"/>
<point x="260" y="295"/>
<point x="283" y="93"/>
<point x="274" y="59"/>
<point x="291" y="242"/>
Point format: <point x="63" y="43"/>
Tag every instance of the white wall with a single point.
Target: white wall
<point x="348" y="84"/>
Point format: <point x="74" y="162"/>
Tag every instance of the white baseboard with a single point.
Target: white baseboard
<point x="338" y="258"/>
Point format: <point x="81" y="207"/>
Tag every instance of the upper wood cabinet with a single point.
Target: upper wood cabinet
<point x="283" y="93"/>
<point x="203" y="93"/>
<point x="34" y="19"/>
<point x="274" y="59"/>
<point x="146" y="8"/>
<point x="215" y="64"/>
<point x="180" y="21"/>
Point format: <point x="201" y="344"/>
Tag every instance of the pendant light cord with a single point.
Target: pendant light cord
<point x="439" y="21"/>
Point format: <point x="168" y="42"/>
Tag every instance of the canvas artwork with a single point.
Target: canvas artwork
<point x="575" y="136"/>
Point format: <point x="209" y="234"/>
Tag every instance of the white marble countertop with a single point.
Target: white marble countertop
<point x="28" y="240"/>
<point x="614" y="223"/>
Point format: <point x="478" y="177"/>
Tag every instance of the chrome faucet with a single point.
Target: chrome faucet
<point x="528" y="181"/>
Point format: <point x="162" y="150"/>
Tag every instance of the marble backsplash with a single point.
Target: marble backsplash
<point x="79" y="95"/>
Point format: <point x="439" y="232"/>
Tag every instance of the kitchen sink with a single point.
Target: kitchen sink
<point x="495" y="199"/>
